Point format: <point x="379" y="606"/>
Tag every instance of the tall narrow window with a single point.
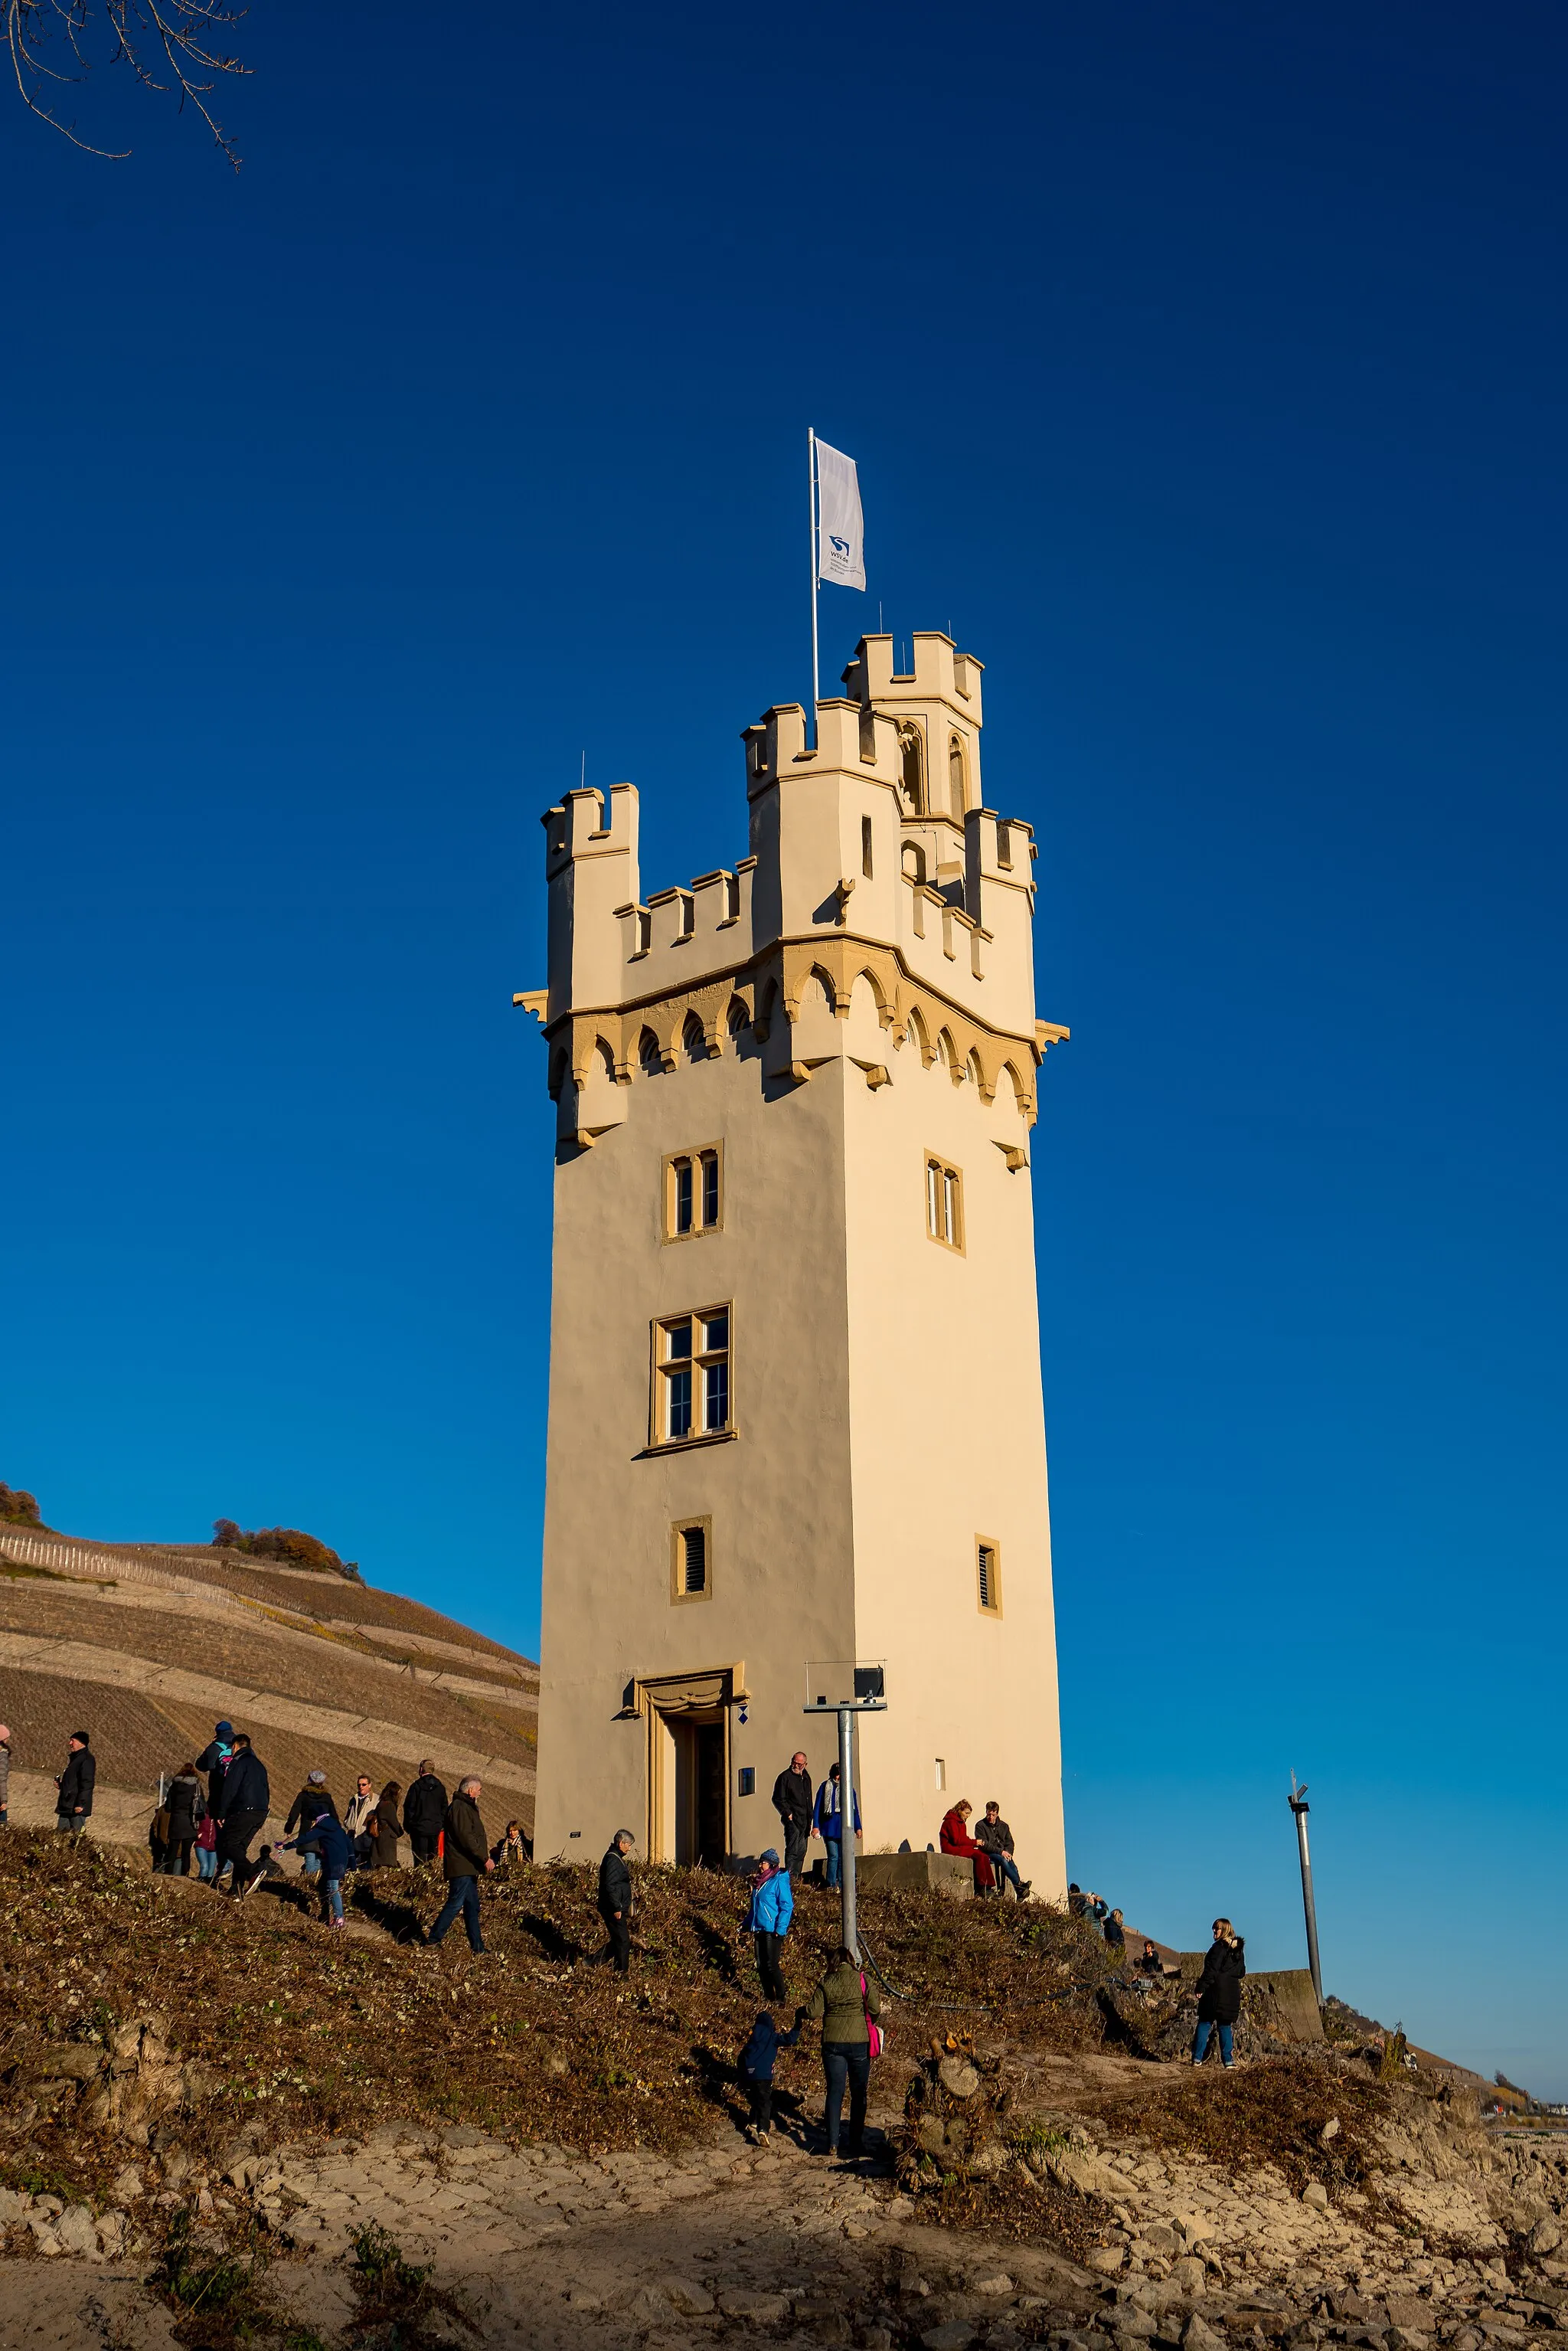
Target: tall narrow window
<point x="944" y="1203"/>
<point x="716" y="1372"/>
<point x="911" y="766"/>
<point x="956" y="793"/>
<point x="691" y="1558"/>
<point x="941" y="1775"/>
<point x="694" y="1192"/>
<point x="988" y="1576"/>
<point x="865" y="846"/>
<point x="691" y="1376"/>
<point x="677" y="1337"/>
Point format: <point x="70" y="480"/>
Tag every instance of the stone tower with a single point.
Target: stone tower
<point x="795" y="1409"/>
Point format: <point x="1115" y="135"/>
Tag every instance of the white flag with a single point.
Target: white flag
<point x="840" y="532"/>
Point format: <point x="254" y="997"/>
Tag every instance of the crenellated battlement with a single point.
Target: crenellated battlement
<point x="873" y="837"/>
<point x="941" y="673"/>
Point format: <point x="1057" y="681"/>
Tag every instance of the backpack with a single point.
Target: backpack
<point x="876" y="2039"/>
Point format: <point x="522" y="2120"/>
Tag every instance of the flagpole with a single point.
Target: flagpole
<point x="811" y="510"/>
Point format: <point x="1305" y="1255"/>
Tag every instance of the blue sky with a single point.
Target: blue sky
<point x="1205" y="371"/>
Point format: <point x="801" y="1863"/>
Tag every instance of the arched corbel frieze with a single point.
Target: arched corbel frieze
<point x="774" y="983"/>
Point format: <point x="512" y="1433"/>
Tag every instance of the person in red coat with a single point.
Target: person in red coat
<point x="956" y="1838"/>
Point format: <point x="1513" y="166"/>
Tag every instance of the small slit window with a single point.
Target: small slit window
<point x="748" y="1779"/>
<point x="988" y="1576"/>
<point x="957" y="787"/>
<point x="941" y="1776"/>
<point x="865" y="846"/>
<point x="693" y="1193"/>
<point x="691" y="1558"/>
<point x="944" y="1203"/>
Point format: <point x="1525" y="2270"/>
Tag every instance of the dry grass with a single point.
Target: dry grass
<point x="310" y="2033"/>
<point x="1274" y="2110"/>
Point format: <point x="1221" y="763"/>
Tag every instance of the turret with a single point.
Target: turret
<point x="591" y="869"/>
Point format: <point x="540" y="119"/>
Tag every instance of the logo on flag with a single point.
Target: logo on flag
<point x="840" y="530"/>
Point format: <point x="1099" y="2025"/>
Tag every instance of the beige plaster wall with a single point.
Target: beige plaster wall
<point x="887" y="1400"/>
<point x="779" y="1496"/>
<point x="948" y="1444"/>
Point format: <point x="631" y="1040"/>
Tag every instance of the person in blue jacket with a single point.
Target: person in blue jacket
<point x="768" y="1922"/>
<point x="756" y="2063"/>
<point x="827" y="1821"/>
<point x="328" y="1840"/>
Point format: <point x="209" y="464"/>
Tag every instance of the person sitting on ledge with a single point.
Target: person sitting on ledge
<point x="956" y="1838"/>
<point x="996" y="1839"/>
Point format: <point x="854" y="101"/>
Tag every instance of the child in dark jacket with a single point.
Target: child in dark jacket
<point x="328" y="1838"/>
<point x="757" y="2060"/>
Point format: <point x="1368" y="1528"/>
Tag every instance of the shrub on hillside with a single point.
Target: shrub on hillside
<point x="287" y="1545"/>
<point x="17" y="1509"/>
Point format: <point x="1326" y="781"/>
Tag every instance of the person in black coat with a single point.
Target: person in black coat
<point x="73" y="1805"/>
<point x="186" y="1813"/>
<point x="242" y="1809"/>
<point x="615" y="1900"/>
<point x="794" y="1798"/>
<point x="423" y="1811"/>
<point x="1219" y="1993"/>
<point x="465" y="1860"/>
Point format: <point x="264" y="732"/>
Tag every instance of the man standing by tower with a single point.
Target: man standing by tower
<point x="615" y="1900"/>
<point x="792" y="1803"/>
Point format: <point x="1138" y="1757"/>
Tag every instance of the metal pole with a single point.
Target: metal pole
<point x="1301" y="1808"/>
<point x="847" y="1830"/>
<point x="811" y="510"/>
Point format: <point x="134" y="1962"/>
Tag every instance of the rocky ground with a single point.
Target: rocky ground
<point x="1028" y="2182"/>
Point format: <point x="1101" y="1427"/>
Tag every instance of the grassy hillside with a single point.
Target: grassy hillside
<point x="147" y="1648"/>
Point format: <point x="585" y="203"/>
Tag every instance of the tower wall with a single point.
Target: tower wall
<point x="947" y="1450"/>
<point x="778" y="1494"/>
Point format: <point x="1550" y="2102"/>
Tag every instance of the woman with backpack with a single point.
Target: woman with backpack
<point x="1219" y="1993"/>
<point x="186" y="1810"/>
<point x="848" y="2008"/>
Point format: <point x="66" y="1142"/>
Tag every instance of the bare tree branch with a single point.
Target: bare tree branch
<point x="186" y="34"/>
